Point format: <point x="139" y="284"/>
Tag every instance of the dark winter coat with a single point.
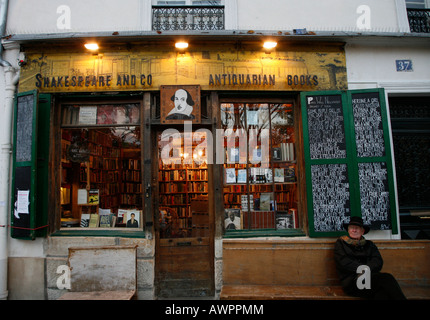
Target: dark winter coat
<point x="349" y="254"/>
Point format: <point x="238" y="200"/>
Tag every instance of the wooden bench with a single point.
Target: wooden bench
<point x="102" y="273"/>
<point x="305" y="270"/>
<point x="273" y="292"/>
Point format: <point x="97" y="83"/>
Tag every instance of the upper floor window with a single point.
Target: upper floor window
<point x="419" y="15"/>
<point x="417" y="4"/>
<point x="188" y="15"/>
<point x="188" y="2"/>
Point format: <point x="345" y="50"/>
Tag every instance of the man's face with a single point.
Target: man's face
<point x="355" y="232"/>
<point x="180" y="100"/>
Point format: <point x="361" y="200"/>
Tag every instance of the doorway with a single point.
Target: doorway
<point x="185" y="228"/>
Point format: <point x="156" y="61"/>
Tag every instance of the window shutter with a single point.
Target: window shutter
<point x="29" y="164"/>
<point x="348" y="160"/>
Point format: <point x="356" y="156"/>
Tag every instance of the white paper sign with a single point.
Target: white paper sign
<point x="82" y="196"/>
<point x="87" y="115"/>
<point x="23" y="201"/>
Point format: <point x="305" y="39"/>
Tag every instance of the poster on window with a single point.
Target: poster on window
<point x="180" y="103"/>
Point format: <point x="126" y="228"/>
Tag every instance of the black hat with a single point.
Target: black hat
<point x="357" y="221"/>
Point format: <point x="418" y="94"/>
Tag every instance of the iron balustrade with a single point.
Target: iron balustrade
<point x="419" y="20"/>
<point x="171" y="18"/>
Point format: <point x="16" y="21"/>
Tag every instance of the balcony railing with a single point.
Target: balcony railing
<point x="419" y="20"/>
<point x="187" y="18"/>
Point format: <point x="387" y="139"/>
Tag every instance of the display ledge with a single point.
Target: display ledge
<point x="229" y="234"/>
<point x="99" y="232"/>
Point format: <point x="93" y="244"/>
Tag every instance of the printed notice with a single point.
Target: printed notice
<point x="82" y="196"/>
<point x="23" y="202"/>
<point x="87" y="115"/>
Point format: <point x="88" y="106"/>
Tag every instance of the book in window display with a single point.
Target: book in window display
<point x="266" y="201"/>
<point x="94" y="220"/>
<point x="93" y="197"/>
<point x="290" y="174"/>
<point x="241" y="176"/>
<point x="244" y="202"/>
<point x="230" y="175"/>
<point x="105" y="218"/>
<point x="233" y="155"/>
<point x="284" y="220"/>
<point x="279" y="175"/>
<point x="277" y="154"/>
<point x="232" y="219"/>
<point x="85" y="220"/>
<point x="258" y="175"/>
<point x="133" y="219"/>
<point x="256" y="155"/>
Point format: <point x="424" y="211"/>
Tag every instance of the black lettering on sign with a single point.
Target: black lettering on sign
<point x="375" y="195"/>
<point x="369" y="133"/>
<point x="326" y="127"/>
<point x="331" y="196"/>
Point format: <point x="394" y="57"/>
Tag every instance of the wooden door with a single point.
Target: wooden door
<point x="184" y="238"/>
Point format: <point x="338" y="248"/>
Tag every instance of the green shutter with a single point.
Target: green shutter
<point x="29" y="171"/>
<point x="44" y="126"/>
<point x="337" y="154"/>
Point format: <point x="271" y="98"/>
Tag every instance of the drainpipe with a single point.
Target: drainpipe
<point x="6" y="108"/>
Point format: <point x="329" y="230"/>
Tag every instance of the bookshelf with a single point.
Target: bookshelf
<point x="131" y="177"/>
<point x="179" y="186"/>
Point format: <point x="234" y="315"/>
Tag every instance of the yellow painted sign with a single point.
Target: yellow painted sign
<point x="211" y="70"/>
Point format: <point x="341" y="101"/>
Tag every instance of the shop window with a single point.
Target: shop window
<point x="260" y="184"/>
<point x="101" y="169"/>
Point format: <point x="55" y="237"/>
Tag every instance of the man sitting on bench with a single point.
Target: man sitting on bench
<point x="352" y="251"/>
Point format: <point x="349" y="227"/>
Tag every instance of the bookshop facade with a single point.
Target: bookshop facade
<point x="176" y="151"/>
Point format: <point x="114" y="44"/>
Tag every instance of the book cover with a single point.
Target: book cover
<point x="122" y="216"/>
<point x="94" y="220"/>
<point x="244" y="202"/>
<point x="265" y="200"/>
<point x="93" y="197"/>
<point x="105" y="218"/>
<point x="232" y="219"/>
<point x="290" y="174"/>
<point x="132" y="218"/>
<point x="276" y="154"/>
<point x="268" y="175"/>
<point x="241" y="176"/>
<point x="284" y="220"/>
<point x="230" y="175"/>
<point x="233" y="155"/>
<point x="256" y="155"/>
<point x="279" y="175"/>
<point x="85" y="220"/>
